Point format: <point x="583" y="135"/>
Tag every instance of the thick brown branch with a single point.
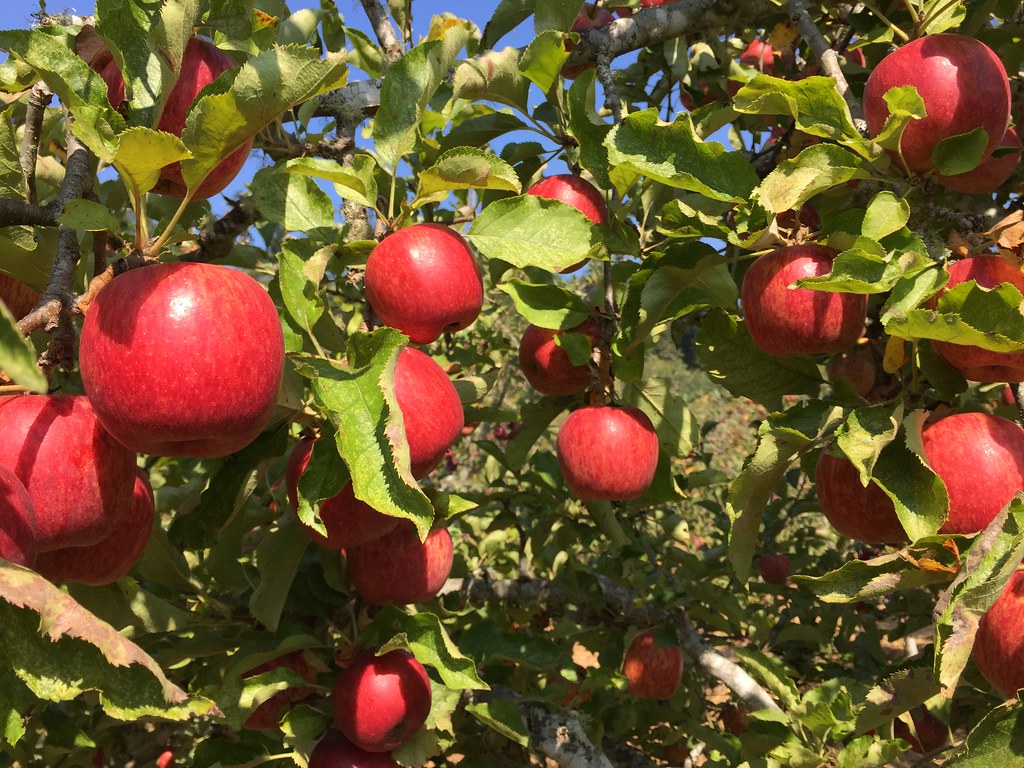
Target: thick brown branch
<point x="38" y="99"/>
<point x="382" y="27"/>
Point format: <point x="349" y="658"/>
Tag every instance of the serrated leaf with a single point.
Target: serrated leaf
<point x="88" y="216"/>
<point x="536" y="418"/>
<point x="17" y="356"/>
<point x="493" y="76"/>
<point x="278" y="557"/>
<point x="866" y="432"/>
<point x="427" y="640"/>
<point x="547" y="306"/>
<point x="466" y="168"/>
<point x="300" y="275"/>
<point x="869" y="752"/>
<point x="543" y="58"/>
<point x="885" y="214"/>
<point x="677" y="428"/>
<point x="773" y="673"/>
<point x="364" y="52"/>
<point x="795" y="181"/>
<point x="292" y="200"/>
<point x="905" y="104"/>
<point x="507" y="16"/>
<point x="897" y="693"/>
<point x="503" y="717"/>
<point x="960" y="153"/>
<point x="532" y="231"/>
<point x="355" y="183"/>
<point x="589" y="130"/>
<point x="555" y="14"/>
<point x="996" y="740"/>
<point x="859" y="580"/>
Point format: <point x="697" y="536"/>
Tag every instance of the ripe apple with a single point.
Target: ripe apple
<point x="999" y="644"/>
<point x="17" y="521"/>
<point x="430" y="407"/>
<point x="19" y="298"/>
<point x="991" y="173"/>
<point x="335" y="751"/>
<point x="654" y="671"/>
<point x="788" y="221"/>
<point x="857" y="368"/>
<point x="607" y="452"/>
<point x="575" y="191"/>
<point x="398" y="568"/>
<point x="962" y="83"/>
<point x="183" y="359"/>
<point x="111" y="558"/>
<point x="975" y="363"/>
<point x="929" y="734"/>
<point x="980" y="458"/>
<point x="774" y="569"/>
<point x="165" y="759"/>
<point x="758" y="55"/>
<point x="423" y="280"/>
<point x="201" y="64"/>
<point x="267" y="715"/>
<point x="857" y="512"/>
<point x="786" y="321"/>
<point x="379" y="702"/>
<point x="349" y="521"/>
<point x="590" y="16"/>
<point x="79" y="477"/>
<point x="546" y="365"/>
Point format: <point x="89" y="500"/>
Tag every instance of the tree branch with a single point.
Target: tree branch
<point x="216" y="241"/>
<point x="38" y="99"/>
<point x="381" y="24"/>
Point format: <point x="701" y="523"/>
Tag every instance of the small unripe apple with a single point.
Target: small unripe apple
<point x="183" y="359"/>
<point x="547" y="366"/>
<point x="431" y="409"/>
<point x="857" y="512"/>
<point x="202" y="62"/>
<point x="398" y="568"/>
<point x="335" y="751"/>
<point x="654" y="671"/>
<point x="266" y="716"/>
<point x="379" y="702"/>
<point x="774" y="568"/>
<point x="424" y="281"/>
<point x="607" y="452"/>
<point x="17" y="521"/>
<point x="991" y="173"/>
<point x="999" y="644"/>
<point x="785" y="320"/>
<point x="975" y="363"/>
<point x="963" y="85"/>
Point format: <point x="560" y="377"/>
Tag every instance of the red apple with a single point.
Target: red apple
<point x="19" y="298"/>
<point x="575" y="191"/>
<point x="183" y="359"/>
<point x="857" y="512"/>
<point x="17" y="521"/>
<point x="980" y="458"/>
<point x="857" y="368"/>
<point x="349" y="521"/>
<point x="165" y="759"/>
<point x="267" y="715"/>
<point x="786" y="321"/>
<point x="335" y="751"/>
<point x="758" y="55"/>
<point x="590" y="16"/>
<point x="398" y="568"/>
<point x="962" y="83"/>
<point x="999" y="645"/>
<point x="201" y="64"/>
<point x="607" y="452"/>
<point x="929" y="734"/>
<point x="379" y="702"/>
<point x="424" y="281"/>
<point x="788" y="221"/>
<point x="430" y="407"/>
<point x="991" y="173"/>
<point x="654" y="671"/>
<point x="774" y="569"/>
<point x="546" y="365"/>
<point x="80" y="479"/>
<point x="110" y="559"/>
<point x="975" y="363"/>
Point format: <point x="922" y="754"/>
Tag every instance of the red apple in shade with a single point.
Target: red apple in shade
<point x="183" y="359"/>
<point x="857" y="512"/>
<point x="379" y="702"/>
<point x="607" y="452"/>
<point x="398" y="568"/>
<point x="349" y="521"/>
<point x="267" y="715"/>
<point x="856" y="368"/>
<point x="980" y="458"/>
<point x="547" y="366"/>
<point x="201" y="64"/>
<point x="774" y="569"/>
<point x="110" y="559"/>
<point x="80" y="479"/>
<point x="788" y="221"/>
<point x="654" y="671"/>
<point x="19" y="298"/>
<point x="962" y="83"/>
<point x="17" y="521"/>
<point x="335" y="751"/>
<point x="992" y="172"/>
<point x="975" y="363"/>
<point x="424" y="281"/>
<point x="929" y="733"/>
<point x="999" y="644"/>
<point x="784" y="320"/>
<point x="590" y="16"/>
<point x="165" y="759"/>
<point x="430" y="407"/>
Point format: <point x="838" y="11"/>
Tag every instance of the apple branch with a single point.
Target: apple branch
<point x="38" y="99"/>
<point x="382" y="27"/>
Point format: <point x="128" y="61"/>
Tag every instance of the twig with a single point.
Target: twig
<point x="38" y="99"/>
<point x="612" y="102"/>
<point x="382" y="27"/>
<point x="216" y="241"/>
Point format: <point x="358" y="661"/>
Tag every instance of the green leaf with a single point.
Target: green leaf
<point x="12" y="185"/>
<point x="885" y="214"/>
<point x="17" y="357"/>
<point x="588" y="128"/>
<point x="502" y="716"/>
<point x="359" y="399"/>
<point x="868" y="752"/>
<point x="427" y="640"/>
<point x="897" y="693"/>
<point x="411" y="82"/>
<point x="536" y="418"/>
<point x="543" y="58"/>
<point x="364" y="54"/>
<point x="492" y="76"/>
<point x="480" y="131"/>
<point x="674" y="155"/>
<point x="905" y="104"/>
<point x="26" y="254"/>
<point x="300" y="275"/>
<point x="547" y="306"/>
<point x="859" y="580"/>
<point x="960" y="153"/>
<point x="292" y="200"/>
<point x="556" y="14"/>
<point x="278" y="557"/>
<point x="532" y="231"/>
<point x="88" y="216"/>
<point x="677" y="428"/>
<point x="782" y="437"/>
<point x="866" y="432"/>
<point x="507" y="16"/>
<point x="860" y="269"/>
<point x="773" y="673"/>
<point x="996" y="740"/>
<point x="60" y="650"/>
<point x="324" y="478"/>
<point x="577" y="346"/>
<point x="731" y="358"/>
<point x="818" y="168"/>
<point x="355" y="183"/>
<point x="240" y="103"/>
<point x="466" y="168"/>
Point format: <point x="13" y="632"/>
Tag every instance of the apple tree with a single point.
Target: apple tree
<point x="627" y="383"/>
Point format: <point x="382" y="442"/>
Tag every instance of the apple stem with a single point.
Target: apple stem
<point x="154" y="249"/>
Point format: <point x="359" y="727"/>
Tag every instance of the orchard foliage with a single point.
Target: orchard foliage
<point x="707" y="157"/>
